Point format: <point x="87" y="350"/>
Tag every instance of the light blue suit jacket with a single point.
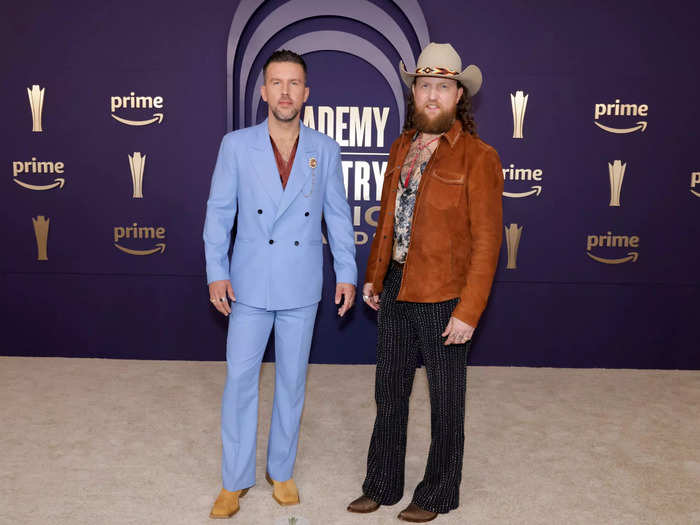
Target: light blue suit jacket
<point x="277" y="260"/>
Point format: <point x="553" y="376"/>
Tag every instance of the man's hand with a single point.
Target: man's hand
<point x="457" y="332"/>
<point x="218" y="290"/>
<point x="369" y="297"/>
<point x="348" y="291"/>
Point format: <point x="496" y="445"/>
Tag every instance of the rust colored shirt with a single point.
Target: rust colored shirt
<point x="285" y="168"/>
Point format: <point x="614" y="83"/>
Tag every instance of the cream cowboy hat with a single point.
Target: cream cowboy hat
<point x="441" y="60"/>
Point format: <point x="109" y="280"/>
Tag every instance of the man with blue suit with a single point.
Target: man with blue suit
<point x="280" y="178"/>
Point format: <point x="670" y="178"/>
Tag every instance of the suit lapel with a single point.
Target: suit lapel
<point x="301" y="171"/>
<point x="263" y="160"/>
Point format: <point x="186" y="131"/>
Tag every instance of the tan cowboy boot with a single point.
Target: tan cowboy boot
<point x="226" y="505"/>
<point x="284" y="492"/>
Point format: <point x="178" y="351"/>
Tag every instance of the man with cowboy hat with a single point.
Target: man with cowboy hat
<point x="429" y="275"/>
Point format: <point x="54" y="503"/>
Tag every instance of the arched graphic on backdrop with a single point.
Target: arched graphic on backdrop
<point x="297" y="10"/>
<point x="340" y="41"/>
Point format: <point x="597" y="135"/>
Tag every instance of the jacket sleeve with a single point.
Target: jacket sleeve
<point x="375" y="271"/>
<point x="221" y="212"/>
<point x="336" y="213"/>
<point x="485" y="190"/>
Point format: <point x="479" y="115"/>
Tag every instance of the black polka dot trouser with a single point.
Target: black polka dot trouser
<point x="404" y="330"/>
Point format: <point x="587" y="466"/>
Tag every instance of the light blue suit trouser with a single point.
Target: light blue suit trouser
<point x="248" y="333"/>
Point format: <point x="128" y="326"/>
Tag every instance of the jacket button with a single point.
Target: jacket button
<point x="271" y="241"/>
<point x="306" y="214"/>
<point x="385" y="236"/>
<point x="296" y="243"/>
<point x="259" y="211"/>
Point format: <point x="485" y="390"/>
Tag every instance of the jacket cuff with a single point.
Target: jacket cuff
<point x="347" y="275"/>
<point x="466" y="314"/>
<point x="217" y="274"/>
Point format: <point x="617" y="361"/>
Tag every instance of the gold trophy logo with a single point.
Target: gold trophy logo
<point x="292" y="520"/>
<point x="518" y="103"/>
<point x="36" y="104"/>
<point x="137" y="163"/>
<point x="617" y="173"/>
<point x="513" y="233"/>
<point x="41" y="232"/>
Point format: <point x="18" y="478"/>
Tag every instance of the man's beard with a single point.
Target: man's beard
<point x="290" y="114"/>
<point x="435" y="125"/>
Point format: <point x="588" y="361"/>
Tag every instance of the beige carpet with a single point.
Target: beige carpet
<point x="88" y="441"/>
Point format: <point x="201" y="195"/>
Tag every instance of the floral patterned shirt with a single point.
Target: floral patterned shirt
<point x="416" y="161"/>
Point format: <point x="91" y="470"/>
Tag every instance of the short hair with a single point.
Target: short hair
<point x="285" y="55"/>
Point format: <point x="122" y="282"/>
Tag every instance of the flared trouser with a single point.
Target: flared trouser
<point x="405" y="330"/>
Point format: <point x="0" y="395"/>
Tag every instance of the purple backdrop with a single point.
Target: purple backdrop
<point x="557" y="307"/>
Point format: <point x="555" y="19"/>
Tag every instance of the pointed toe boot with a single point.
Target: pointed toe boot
<point x="226" y="504"/>
<point x="284" y="492"/>
<point x="414" y="514"/>
<point x="363" y="505"/>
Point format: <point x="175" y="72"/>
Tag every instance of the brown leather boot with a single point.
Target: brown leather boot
<point x="415" y="514"/>
<point x="363" y="505"/>
<point x="284" y="492"/>
<point x="226" y="504"/>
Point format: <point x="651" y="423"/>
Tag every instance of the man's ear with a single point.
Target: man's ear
<point x="263" y="92"/>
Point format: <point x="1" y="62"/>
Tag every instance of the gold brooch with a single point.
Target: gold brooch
<point x="312" y="162"/>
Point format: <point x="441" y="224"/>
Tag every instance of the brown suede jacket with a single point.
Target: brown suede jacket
<point x="457" y="224"/>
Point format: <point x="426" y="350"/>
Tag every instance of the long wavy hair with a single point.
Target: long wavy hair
<point x="464" y="113"/>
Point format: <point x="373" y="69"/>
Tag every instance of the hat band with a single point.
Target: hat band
<point x="436" y="71"/>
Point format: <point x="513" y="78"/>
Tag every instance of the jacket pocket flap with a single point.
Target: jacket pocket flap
<point x="449" y="177"/>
